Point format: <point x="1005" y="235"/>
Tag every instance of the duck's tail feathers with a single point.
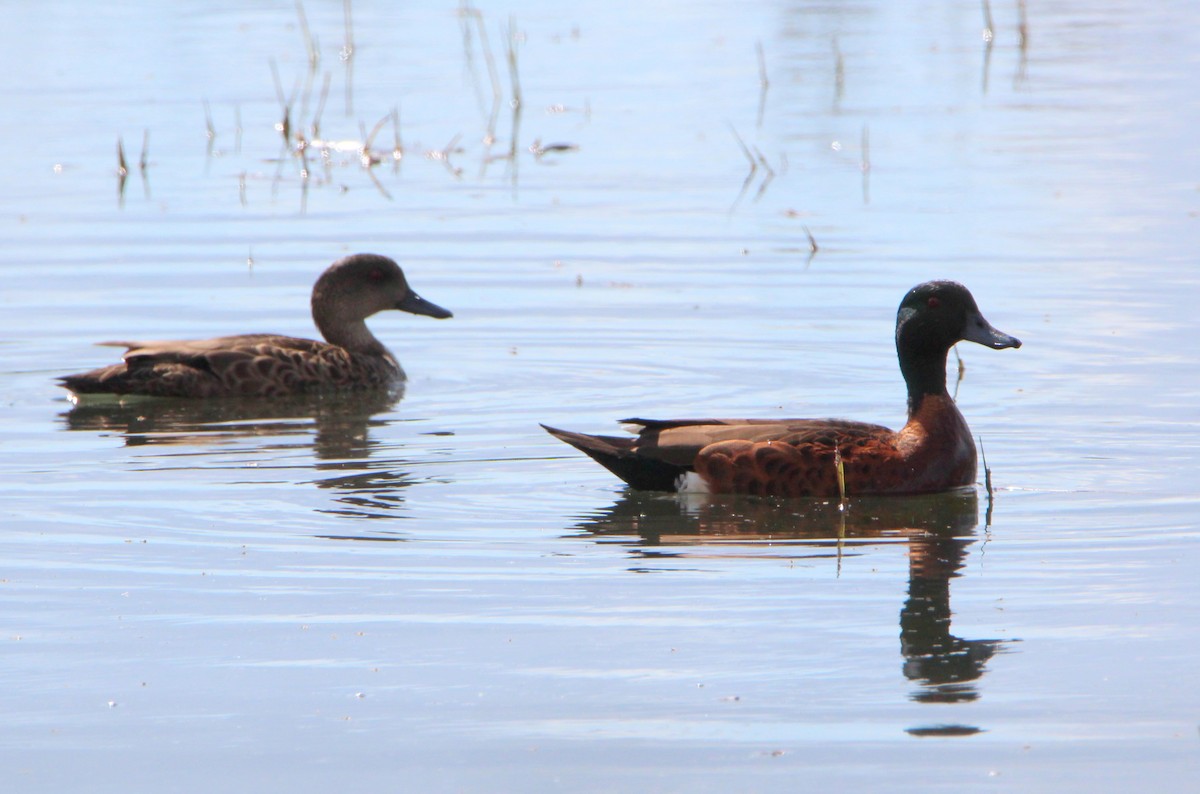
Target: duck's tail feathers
<point x="621" y="457"/>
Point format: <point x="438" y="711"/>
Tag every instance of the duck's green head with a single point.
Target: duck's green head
<point x="937" y="315"/>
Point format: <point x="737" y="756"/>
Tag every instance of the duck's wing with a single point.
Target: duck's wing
<point x="663" y="451"/>
<point x="682" y="439"/>
<point x="186" y="350"/>
<point x="248" y="365"/>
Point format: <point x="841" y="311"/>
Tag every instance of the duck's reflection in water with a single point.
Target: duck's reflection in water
<point x="937" y="530"/>
<point x="366" y="494"/>
<point x="336" y="426"/>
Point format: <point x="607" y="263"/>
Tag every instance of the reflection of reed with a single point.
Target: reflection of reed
<point x="371" y="494"/>
<point x="340" y="421"/>
<point x="937" y="528"/>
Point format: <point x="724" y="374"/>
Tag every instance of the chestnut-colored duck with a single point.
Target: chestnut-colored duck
<point x="269" y="365"/>
<point x="934" y="451"/>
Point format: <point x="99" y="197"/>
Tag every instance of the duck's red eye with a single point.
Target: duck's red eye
<point x="933" y="302"/>
<point x="377" y="275"/>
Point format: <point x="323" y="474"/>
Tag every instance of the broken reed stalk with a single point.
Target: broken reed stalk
<point x="468" y="13"/>
<point x="397" y="143"/>
<point x="763" y="82"/>
<point x="987" y="472"/>
<point x="516" y="104"/>
<point x="348" y="16"/>
<point x="841" y="480"/>
<point x="989" y="30"/>
<point x="987" y="484"/>
<point x="347" y="55"/>
<point x="122" y="172"/>
<point x="369" y="140"/>
<point x="145" y="151"/>
<point x="839" y="73"/>
<point x="745" y="149"/>
<point x="209" y="130"/>
<point x="841" y="540"/>
<point x="517" y="101"/>
<point x="841" y="477"/>
<point x="284" y="126"/>
<point x="277" y="82"/>
<point x="310" y="41"/>
<point x="512" y="62"/>
<point x="762" y="188"/>
<point x="316" y="122"/>
<point x="812" y="241"/>
<point x="753" y="167"/>
<point x="962" y="371"/>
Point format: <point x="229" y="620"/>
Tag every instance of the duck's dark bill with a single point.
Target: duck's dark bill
<point x="981" y="332"/>
<point x="415" y="304"/>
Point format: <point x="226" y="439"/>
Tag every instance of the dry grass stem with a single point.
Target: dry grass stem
<point x="841" y="477"/>
<point x="347" y="55"/>
<point x="367" y="153"/>
<point x="763" y="82"/>
<point x="397" y="143"/>
<point x="468" y="15"/>
<point x="284" y="125"/>
<point x="310" y="41"/>
<point x="443" y="156"/>
<point x="839" y="74"/>
<point x="750" y="159"/>
<point x="762" y="188"/>
<point x="989" y="39"/>
<point x="142" y="160"/>
<point x="1023" y="31"/>
<point x="538" y="149"/>
<point x="516" y="102"/>
<point x="987" y="471"/>
<point x="209" y="130"/>
<point x="316" y="122"/>
<point x="962" y="370"/>
<point x="122" y="172"/>
<point x="987" y="484"/>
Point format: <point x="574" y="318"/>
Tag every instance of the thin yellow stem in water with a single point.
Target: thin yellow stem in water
<point x="841" y="475"/>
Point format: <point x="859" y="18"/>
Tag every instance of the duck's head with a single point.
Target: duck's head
<point x="360" y="285"/>
<point x="936" y="315"/>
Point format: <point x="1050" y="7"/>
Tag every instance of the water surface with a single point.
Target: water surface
<point x="360" y="591"/>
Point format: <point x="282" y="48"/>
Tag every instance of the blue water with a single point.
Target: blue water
<point x="436" y="595"/>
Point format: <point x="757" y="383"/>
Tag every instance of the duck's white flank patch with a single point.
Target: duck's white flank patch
<point x="691" y="482"/>
<point x="633" y="428"/>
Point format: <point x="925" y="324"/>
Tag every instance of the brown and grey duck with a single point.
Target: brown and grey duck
<point x="269" y="365"/>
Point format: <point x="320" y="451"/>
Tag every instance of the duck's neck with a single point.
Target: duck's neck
<point x="925" y="375"/>
<point x="350" y="333"/>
